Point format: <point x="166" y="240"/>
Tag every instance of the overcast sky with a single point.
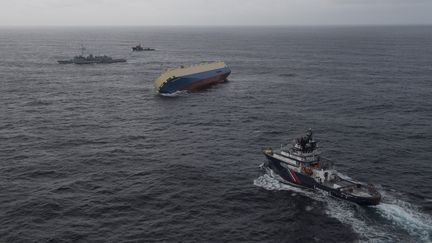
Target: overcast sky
<point x="212" y="12"/>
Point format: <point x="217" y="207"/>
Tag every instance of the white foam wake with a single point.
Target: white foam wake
<point x="175" y="94"/>
<point x="353" y="215"/>
<point x="391" y="221"/>
<point x="338" y="209"/>
<point x="408" y="217"/>
<point x="269" y="183"/>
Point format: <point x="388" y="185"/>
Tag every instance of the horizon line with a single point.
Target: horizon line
<point x="211" y="25"/>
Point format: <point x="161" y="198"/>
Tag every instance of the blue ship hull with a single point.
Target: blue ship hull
<point x="196" y="81"/>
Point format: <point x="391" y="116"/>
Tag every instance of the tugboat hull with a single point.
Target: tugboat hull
<point x="290" y="176"/>
<point x="363" y="201"/>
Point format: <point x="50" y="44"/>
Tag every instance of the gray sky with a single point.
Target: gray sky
<point x="212" y="12"/>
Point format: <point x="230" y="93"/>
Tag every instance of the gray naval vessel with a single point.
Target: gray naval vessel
<point x="90" y="59"/>
<point x="140" y="48"/>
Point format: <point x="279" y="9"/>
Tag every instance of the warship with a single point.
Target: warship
<point x="140" y="48"/>
<point x="90" y="59"/>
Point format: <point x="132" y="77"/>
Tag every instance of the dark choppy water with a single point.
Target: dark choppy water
<point x="91" y="153"/>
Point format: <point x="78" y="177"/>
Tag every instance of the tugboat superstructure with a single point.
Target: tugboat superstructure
<point x="301" y="165"/>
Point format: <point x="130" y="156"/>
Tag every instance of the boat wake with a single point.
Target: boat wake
<point x="406" y="216"/>
<point x="393" y="220"/>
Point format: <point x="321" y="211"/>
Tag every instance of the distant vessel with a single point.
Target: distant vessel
<point x="140" y="48"/>
<point x="300" y="165"/>
<point x="192" y="78"/>
<point x="90" y="59"/>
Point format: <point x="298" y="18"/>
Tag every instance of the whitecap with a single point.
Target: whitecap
<point x="175" y="94"/>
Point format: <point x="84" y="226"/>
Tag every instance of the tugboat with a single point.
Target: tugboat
<point x="300" y="164"/>
<point x="140" y="48"/>
<point x="90" y="59"/>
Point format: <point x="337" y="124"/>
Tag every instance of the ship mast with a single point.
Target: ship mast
<point x="82" y="50"/>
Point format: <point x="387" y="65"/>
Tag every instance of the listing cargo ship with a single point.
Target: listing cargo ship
<point x="192" y="78"/>
<point x="301" y="165"/>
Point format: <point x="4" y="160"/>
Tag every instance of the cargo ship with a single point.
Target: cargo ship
<point x="300" y="165"/>
<point x="192" y="78"/>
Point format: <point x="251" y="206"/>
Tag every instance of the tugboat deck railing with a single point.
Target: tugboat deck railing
<point x="308" y="158"/>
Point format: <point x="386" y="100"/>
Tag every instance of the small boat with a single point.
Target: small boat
<point x="140" y="48"/>
<point x="192" y="78"/>
<point x="300" y="165"/>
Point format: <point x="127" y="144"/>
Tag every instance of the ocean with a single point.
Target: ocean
<point x="93" y="154"/>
